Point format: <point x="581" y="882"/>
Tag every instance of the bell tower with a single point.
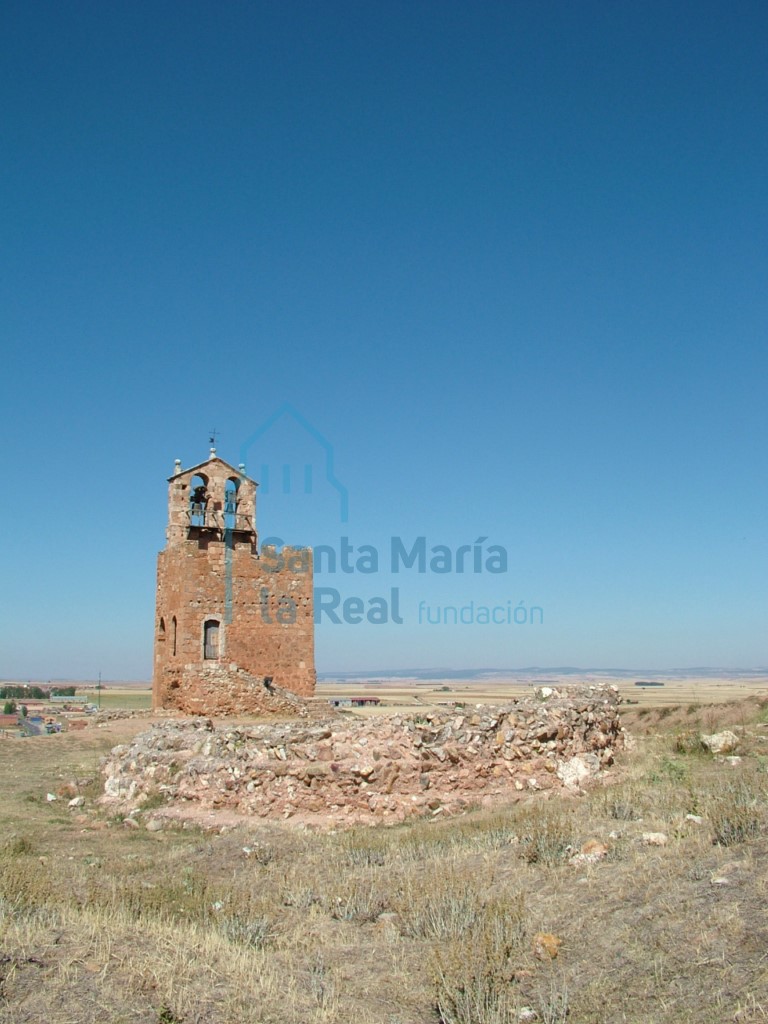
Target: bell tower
<point x="211" y="499"/>
<point x="226" y="619"/>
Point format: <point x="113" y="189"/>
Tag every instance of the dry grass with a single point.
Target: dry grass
<point x="686" y="691"/>
<point x="131" y="698"/>
<point x="427" y="923"/>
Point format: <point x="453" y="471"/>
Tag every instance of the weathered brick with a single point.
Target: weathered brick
<point x="258" y="606"/>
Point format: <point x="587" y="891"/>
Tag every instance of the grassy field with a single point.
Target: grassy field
<point x="436" y="922"/>
<point x="131" y="698"/>
<point x="405" y="694"/>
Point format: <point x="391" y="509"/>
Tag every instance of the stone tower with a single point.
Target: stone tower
<point x="231" y="623"/>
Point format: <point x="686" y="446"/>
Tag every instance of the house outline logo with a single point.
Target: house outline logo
<point x="288" y="410"/>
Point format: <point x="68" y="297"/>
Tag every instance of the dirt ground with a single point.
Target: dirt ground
<point x="493" y="917"/>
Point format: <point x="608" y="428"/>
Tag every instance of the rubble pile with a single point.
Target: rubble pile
<point x="219" y="689"/>
<point x="369" y="770"/>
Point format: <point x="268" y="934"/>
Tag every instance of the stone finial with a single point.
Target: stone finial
<point x="177" y="467"/>
<point x="241" y="467"/>
<point x="213" y="453"/>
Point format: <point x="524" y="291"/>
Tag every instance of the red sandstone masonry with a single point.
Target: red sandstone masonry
<point x="368" y="770"/>
<point x="208" y="573"/>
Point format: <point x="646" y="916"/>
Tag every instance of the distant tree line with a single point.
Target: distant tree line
<point x="36" y="692"/>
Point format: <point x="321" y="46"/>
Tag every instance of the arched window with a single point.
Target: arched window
<point x="174" y="627"/>
<point x="161" y="629"/>
<point x="211" y="639"/>
<point x="198" y="499"/>
<point x="230" y="503"/>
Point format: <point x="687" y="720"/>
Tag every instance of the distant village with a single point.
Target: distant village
<point x="33" y="710"/>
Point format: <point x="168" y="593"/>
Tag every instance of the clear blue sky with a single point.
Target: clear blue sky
<point x="508" y="259"/>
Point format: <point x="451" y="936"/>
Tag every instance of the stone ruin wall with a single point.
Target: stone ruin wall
<point x="383" y="769"/>
<point x="227" y="690"/>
